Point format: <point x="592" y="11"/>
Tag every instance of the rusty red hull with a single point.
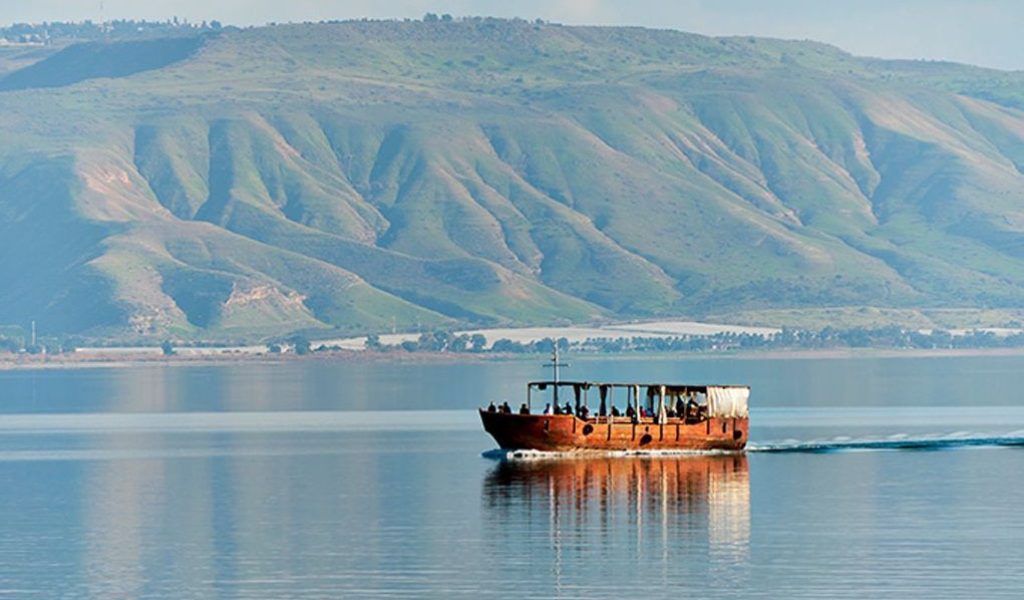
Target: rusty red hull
<point x="568" y="433"/>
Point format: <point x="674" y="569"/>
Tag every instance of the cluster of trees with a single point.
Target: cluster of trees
<point x="300" y="344"/>
<point x="433" y="18"/>
<point x="18" y="344"/>
<point x="436" y="341"/>
<point x="892" y="337"/>
<point x="45" y="33"/>
<point x="788" y="339"/>
<point x="446" y="341"/>
<point x="447" y="18"/>
<point x="10" y="344"/>
<point x="696" y="343"/>
<point x="535" y="347"/>
<point x="63" y="32"/>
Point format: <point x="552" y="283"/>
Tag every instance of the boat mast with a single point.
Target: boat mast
<point x="555" y="364"/>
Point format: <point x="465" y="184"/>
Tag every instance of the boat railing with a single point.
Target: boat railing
<point x="659" y="401"/>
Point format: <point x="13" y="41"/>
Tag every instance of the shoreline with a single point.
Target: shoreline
<point x="23" y="362"/>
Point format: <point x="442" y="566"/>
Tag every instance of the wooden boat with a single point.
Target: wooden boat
<point x="656" y="417"/>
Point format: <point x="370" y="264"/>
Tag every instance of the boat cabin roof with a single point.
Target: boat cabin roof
<point x="597" y="384"/>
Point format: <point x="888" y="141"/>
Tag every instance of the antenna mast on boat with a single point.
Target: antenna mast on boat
<point x="555" y="364"/>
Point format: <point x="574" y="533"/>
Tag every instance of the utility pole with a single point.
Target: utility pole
<point x="104" y="26"/>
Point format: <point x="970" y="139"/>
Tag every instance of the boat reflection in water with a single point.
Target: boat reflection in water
<point x="654" y="513"/>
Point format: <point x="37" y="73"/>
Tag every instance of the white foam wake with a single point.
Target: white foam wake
<point x="900" y="441"/>
<point x="527" y="455"/>
<point x="893" y="442"/>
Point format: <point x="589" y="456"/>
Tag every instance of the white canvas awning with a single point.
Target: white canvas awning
<point x="727" y="402"/>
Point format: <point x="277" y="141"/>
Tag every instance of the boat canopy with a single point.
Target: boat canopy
<point x="726" y="401"/>
<point x="729" y="402"/>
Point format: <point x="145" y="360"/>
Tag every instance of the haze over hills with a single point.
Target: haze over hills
<point x="362" y="175"/>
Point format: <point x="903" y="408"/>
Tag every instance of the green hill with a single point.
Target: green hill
<point x="355" y="175"/>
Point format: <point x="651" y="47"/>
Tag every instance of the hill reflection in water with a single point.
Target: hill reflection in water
<point x="639" y="511"/>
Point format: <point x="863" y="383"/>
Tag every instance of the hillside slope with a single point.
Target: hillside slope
<point x="359" y="176"/>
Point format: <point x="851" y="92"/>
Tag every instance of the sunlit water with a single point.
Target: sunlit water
<point x="866" y="478"/>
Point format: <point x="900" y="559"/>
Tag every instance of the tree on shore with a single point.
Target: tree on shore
<point x="301" y="344"/>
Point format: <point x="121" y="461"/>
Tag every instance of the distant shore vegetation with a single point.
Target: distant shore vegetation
<point x="827" y="338"/>
<point x="13" y="341"/>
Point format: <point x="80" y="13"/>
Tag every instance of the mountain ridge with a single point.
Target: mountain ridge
<point x="361" y="175"/>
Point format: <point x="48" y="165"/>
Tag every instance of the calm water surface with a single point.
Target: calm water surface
<point x="331" y="480"/>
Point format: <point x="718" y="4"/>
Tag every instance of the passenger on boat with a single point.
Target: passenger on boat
<point x="615" y="411"/>
<point x="557" y="409"/>
<point x="491" y="407"/>
<point x="524" y="409"/>
<point x="680" y="406"/>
<point x="583" y="412"/>
<point x="630" y="411"/>
<point x="547" y="408"/>
<point x="692" y="411"/>
<point x="643" y="413"/>
<point x="505" y="408"/>
<point x="568" y="409"/>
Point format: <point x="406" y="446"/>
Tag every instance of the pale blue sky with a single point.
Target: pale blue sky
<point x="985" y="32"/>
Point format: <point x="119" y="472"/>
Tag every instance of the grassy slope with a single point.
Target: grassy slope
<point x="353" y="175"/>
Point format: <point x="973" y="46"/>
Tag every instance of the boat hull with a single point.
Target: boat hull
<point x="568" y="433"/>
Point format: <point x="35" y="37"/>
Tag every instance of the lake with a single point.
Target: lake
<point x="318" y="479"/>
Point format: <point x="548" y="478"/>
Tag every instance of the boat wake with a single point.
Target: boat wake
<point x="841" y="444"/>
<point x="532" y="455"/>
<point x="527" y="455"/>
<point x="895" y="442"/>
